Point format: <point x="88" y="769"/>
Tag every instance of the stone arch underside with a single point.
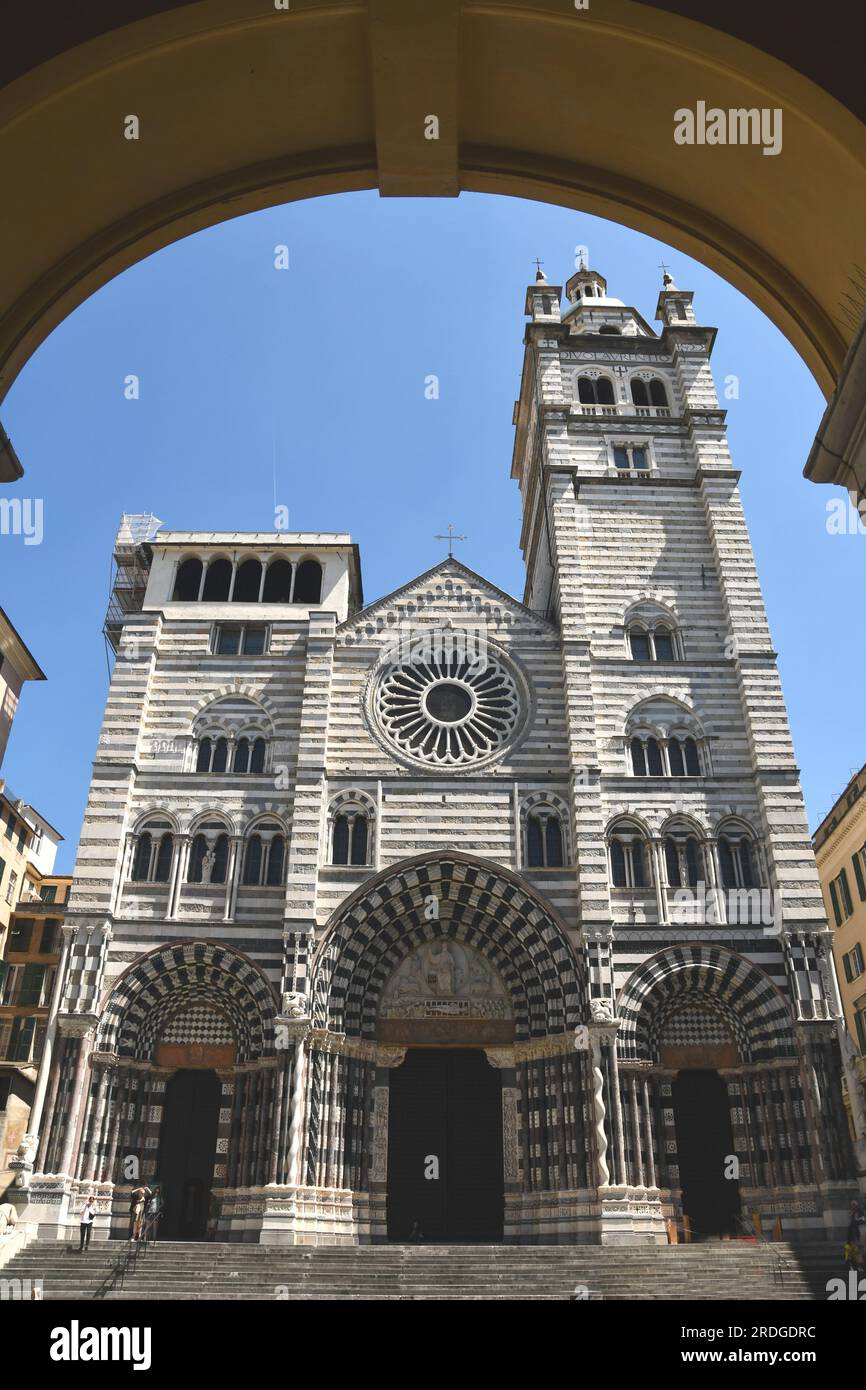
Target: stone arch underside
<point x="487" y="908"/>
<point x="161" y="985"/>
<point x="244" y="106"/>
<point x="709" y="977"/>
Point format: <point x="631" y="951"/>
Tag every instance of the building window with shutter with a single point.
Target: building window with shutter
<point x="852" y="963"/>
<point x="840" y="897"/>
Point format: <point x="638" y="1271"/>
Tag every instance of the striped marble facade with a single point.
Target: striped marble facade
<point x="605" y="984"/>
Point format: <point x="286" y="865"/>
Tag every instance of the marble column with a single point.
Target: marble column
<point x="82" y="1030"/>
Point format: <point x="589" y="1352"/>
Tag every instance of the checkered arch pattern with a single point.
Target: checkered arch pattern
<point x="197" y="1024"/>
<point x="694" y="1025"/>
<point x="177" y="978"/>
<point x="483" y="906"/>
<point x="706" y="976"/>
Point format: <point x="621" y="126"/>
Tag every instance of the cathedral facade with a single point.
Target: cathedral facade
<point x="452" y="916"/>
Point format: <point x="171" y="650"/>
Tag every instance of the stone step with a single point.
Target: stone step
<point x="177" y="1270"/>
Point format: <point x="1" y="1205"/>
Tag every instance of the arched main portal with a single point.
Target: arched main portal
<point x="242" y="106"/>
<point x="446" y="995"/>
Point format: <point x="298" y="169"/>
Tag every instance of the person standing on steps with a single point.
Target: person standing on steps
<point x="137" y="1203"/>
<point x="153" y="1210"/>
<point x="855" y="1248"/>
<point x="88" y="1212"/>
<point x="213" y="1214"/>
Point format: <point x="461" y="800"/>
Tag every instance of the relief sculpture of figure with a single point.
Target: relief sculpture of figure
<point x="440" y="969"/>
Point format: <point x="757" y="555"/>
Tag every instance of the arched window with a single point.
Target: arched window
<point x="638" y="758"/>
<point x="154" y="852"/>
<point x="672" y="757"/>
<point x="737" y="862"/>
<point x="675" y="758"/>
<point x="197" y="853"/>
<point x="658" y="394"/>
<point x="663" y="644"/>
<point x="218" y="581"/>
<point x="205" y="752"/>
<point x="248" y="581"/>
<point x="209" y="855"/>
<point x="683" y="861"/>
<point x="595" y="390"/>
<point x="278" y="582"/>
<point x="253" y="860"/>
<point x="340" y="847"/>
<point x="350" y="838"/>
<point x="611" y="328"/>
<point x="649" y="641"/>
<point x="628" y="858"/>
<point x="544" y="840"/>
<point x="242" y="755"/>
<point x="265" y="856"/>
<point x="162" y="862"/>
<point x="308" y="583"/>
<point x="534" y="842"/>
<point x="276" y="861"/>
<point x="553" y="843"/>
<point x="639" y="393"/>
<point x="220" y="859"/>
<point x="693" y="763"/>
<point x="188" y="580"/>
<point x="141" y="862"/>
<point x="646" y="757"/>
<point x="257" y="756"/>
<point x="604" y="391"/>
<point x="220" y="758"/>
<point x="359" y="840"/>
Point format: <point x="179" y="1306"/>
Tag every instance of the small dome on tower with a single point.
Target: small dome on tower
<point x="586" y="284"/>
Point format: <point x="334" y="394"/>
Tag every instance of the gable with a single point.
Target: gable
<point x="450" y="594"/>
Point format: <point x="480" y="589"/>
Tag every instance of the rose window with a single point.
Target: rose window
<point x="447" y="712"/>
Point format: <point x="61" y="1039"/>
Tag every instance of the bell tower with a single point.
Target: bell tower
<point x="636" y="546"/>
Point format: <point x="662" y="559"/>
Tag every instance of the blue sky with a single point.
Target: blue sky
<point x="316" y="374"/>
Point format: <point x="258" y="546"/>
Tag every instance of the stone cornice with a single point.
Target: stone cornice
<point x="835" y="842"/>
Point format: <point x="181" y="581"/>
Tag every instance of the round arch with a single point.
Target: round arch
<point x="478" y="903"/>
<point x="337" y="96"/>
<point x="157" y="985"/>
<point x="709" y="975"/>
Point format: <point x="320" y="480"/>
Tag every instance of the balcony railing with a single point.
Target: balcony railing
<point x="660" y="412"/>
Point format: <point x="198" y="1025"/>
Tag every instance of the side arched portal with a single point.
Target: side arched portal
<point x="734" y="1090"/>
<point x="185" y="1091"/>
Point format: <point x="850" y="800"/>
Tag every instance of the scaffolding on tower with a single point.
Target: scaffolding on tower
<point x="132" y="558"/>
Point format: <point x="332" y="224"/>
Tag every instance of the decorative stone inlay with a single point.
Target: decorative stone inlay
<point x="379" y="1166"/>
<point x="510" y="1151"/>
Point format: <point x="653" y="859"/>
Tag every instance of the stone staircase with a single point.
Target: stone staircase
<point x="174" y="1270"/>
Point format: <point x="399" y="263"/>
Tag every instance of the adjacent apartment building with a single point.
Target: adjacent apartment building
<point x="17" y="665"/>
<point x="33" y="902"/>
<point x="840" y="849"/>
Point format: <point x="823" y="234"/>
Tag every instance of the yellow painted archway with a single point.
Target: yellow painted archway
<point x="242" y="105"/>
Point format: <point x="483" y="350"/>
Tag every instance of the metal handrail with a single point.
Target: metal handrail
<point x="744" y="1225"/>
<point x="128" y="1260"/>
